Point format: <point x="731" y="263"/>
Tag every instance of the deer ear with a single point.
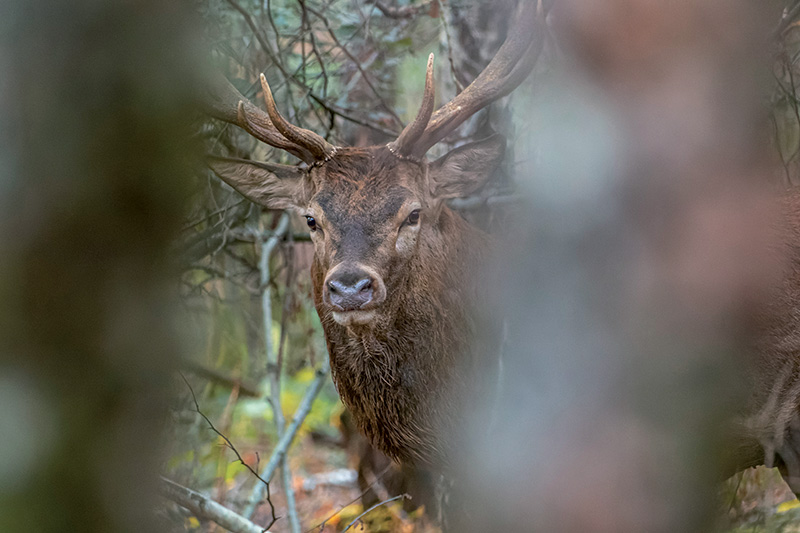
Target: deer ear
<point x="268" y="185"/>
<point x="466" y="169"/>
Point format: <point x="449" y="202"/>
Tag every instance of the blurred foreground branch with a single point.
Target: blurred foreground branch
<point x="628" y="340"/>
<point x="96" y="140"/>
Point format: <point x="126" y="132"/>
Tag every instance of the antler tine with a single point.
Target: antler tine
<point x="509" y="67"/>
<point x="224" y="102"/>
<point x="255" y="122"/>
<point x="319" y="147"/>
<point x="411" y="133"/>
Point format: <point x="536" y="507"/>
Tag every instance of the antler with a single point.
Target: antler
<point x="318" y="146"/>
<point x="509" y="67"/>
<point x="404" y="144"/>
<point x="226" y="103"/>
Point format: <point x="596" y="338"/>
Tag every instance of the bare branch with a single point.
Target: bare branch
<point x="289" y="77"/>
<point x="449" y="41"/>
<point x="288" y="436"/>
<point x="273" y="360"/>
<point x="357" y="63"/>
<point x="205" y="508"/>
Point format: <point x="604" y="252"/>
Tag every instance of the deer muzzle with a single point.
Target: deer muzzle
<point x="351" y="288"/>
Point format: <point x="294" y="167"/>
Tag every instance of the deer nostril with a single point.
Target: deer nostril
<point x="339" y="287"/>
<point x="350" y="290"/>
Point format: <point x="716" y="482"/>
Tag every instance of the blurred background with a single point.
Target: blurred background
<point x="159" y="349"/>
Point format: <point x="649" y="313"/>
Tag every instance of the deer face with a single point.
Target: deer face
<point x="365" y="218"/>
<point x="371" y="215"/>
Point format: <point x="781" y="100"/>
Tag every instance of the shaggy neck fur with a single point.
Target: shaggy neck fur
<point x="397" y="374"/>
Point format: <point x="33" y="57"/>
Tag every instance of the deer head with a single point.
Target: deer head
<point x="373" y="212"/>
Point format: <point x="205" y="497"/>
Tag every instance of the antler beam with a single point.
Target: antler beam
<point x="226" y="103"/>
<point x="319" y="147"/>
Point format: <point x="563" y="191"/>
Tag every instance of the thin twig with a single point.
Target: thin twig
<point x="446" y="27"/>
<point x="307" y="29"/>
<point x="384" y="502"/>
<point x="357" y="63"/>
<point x="318" y="99"/>
<point x="378" y="478"/>
<point x="229" y="444"/>
<point x="245" y="389"/>
<point x="259" y="37"/>
<point x="345" y="114"/>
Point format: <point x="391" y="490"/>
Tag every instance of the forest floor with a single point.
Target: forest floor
<point x="324" y="460"/>
<point x="759" y="501"/>
<point x="329" y="500"/>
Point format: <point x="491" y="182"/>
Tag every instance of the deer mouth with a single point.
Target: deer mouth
<point x="355" y="317"/>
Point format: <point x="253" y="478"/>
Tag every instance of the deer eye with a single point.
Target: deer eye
<point x="413" y="218"/>
<point x="312" y="224"/>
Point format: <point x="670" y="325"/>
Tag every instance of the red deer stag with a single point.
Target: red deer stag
<point x="392" y="263"/>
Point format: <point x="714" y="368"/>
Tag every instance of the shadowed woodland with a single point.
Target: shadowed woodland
<point x="163" y="366"/>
